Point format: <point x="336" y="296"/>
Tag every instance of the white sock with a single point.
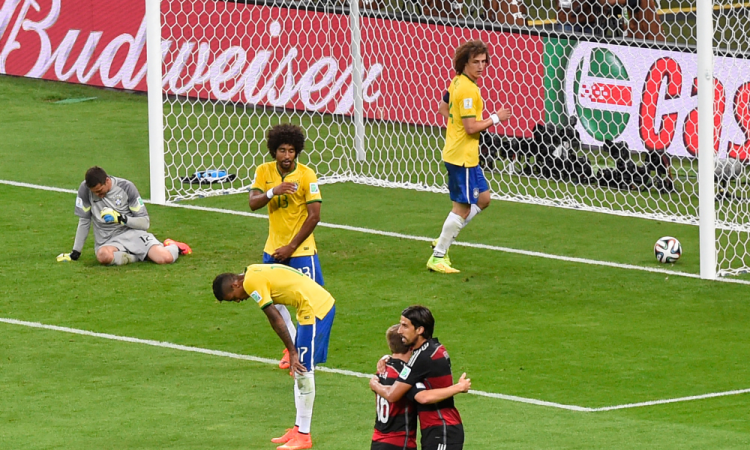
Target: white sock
<point x="305" y="398"/>
<point x="288" y="321"/>
<point x="174" y="250"/>
<point x="451" y="227"/>
<point x="122" y="258"/>
<point x="297" y="403"/>
<point x="474" y="211"/>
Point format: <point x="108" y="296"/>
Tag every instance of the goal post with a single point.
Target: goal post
<point x="155" y="107"/>
<point x="606" y="111"/>
<point x="705" y="34"/>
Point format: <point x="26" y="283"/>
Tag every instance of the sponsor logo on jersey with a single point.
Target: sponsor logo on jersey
<point x="405" y="372"/>
<point x="468" y="103"/>
<point x="256" y="296"/>
<point x="314" y="188"/>
<point x="79" y="202"/>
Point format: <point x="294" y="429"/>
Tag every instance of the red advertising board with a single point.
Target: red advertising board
<point x="270" y="56"/>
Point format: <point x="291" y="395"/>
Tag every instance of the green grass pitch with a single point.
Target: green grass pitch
<point x="551" y="330"/>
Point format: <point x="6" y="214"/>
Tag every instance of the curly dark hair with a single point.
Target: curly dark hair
<point x="466" y="51"/>
<point x="286" y="133"/>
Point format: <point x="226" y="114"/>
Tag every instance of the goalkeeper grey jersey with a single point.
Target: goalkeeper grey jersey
<point x="123" y="197"/>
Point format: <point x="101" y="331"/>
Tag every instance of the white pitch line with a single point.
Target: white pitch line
<point x="671" y="400"/>
<point x="399" y="236"/>
<point x="572" y="259"/>
<point x="257" y="359"/>
<point x="512" y="398"/>
<point x="592" y="262"/>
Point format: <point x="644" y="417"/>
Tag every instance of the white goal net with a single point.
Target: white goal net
<point x="603" y="97"/>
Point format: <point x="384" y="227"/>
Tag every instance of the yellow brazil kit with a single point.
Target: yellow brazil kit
<point x="269" y="284"/>
<point x="287" y="212"/>
<point x="462" y="149"/>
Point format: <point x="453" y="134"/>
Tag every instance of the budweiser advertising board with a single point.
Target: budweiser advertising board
<point x="270" y="56"/>
<point x="648" y="98"/>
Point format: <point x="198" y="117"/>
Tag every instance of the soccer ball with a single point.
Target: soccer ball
<point x="667" y="250"/>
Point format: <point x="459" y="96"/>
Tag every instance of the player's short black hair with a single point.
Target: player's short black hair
<point x="221" y="285"/>
<point x="394" y="340"/>
<point x="420" y="316"/>
<point x="285" y="133"/>
<point x="466" y="51"/>
<point x="95" y="176"/>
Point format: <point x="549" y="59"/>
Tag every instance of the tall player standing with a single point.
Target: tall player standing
<point x="466" y="182"/>
<point x="291" y="191"/>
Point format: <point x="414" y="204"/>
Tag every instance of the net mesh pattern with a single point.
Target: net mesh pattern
<point x="603" y="97"/>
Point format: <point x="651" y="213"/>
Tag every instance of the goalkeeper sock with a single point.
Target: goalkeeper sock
<point x="451" y="227"/>
<point x="474" y="211"/>
<point x="305" y="393"/>
<point x="174" y="250"/>
<point x="121" y="258"/>
<point x="287" y="321"/>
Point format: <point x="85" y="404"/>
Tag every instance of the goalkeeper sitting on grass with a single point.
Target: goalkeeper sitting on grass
<point x="120" y="222"/>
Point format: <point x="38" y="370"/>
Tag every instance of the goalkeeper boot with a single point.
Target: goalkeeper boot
<point x="290" y="433"/>
<point x="299" y="442"/>
<point x="284" y="363"/>
<point x="446" y="257"/>
<point x="439" y="265"/>
<point x="184" y="248"/>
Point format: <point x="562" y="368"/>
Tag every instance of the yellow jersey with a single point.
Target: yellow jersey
<point x="462" y="149"/>
<point x="269" y="284"/>
<point x="287" y="212"/>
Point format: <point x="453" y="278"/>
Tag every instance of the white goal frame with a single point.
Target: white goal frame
<point x="705" y="51"/>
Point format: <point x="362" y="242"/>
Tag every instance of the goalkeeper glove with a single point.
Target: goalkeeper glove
<point x="111" y="216"/>
<point x="67" y="257"/>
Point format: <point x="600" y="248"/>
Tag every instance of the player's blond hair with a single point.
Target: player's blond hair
<point x="395" y="343"/>
<point x="466" y="51"/>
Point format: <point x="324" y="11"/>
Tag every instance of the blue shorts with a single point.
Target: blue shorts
<point x="309" y="265"/>
<point x="312" y="341"/>
<point x="466" y="183"/>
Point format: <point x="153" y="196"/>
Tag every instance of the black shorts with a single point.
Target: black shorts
<point x="439" y="438"/>
<point x="385" y="446"/>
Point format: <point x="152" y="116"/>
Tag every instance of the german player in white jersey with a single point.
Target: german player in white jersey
<point x="468" y="188"/>
<point x="120" y="220"/>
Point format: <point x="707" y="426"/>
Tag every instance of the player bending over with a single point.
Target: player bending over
<point x="277" y="284"/>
